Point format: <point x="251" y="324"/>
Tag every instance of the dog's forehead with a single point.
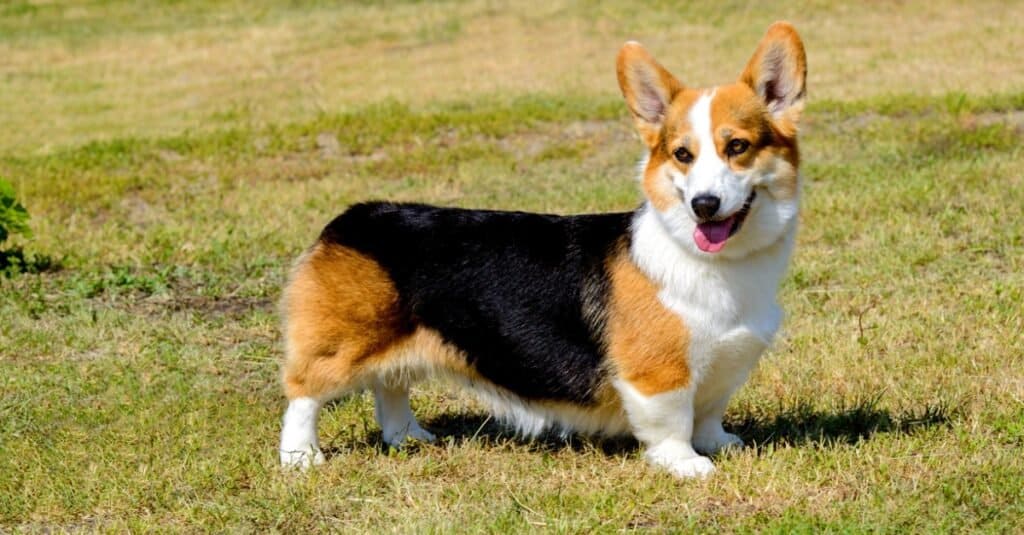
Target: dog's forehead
<point x="737" y="105"/>
<point x="679" y="111"/>
<point x="733" y="106"/>
<point x="678" y="127"/>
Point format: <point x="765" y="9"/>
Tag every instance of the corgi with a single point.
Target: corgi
<point x="643" y="322"/>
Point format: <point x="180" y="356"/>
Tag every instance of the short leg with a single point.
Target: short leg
<point x="664" y="423"/>
<point x="391" y="407"/>
<point x="729" y="371"/>
<point x="300" y="447"/>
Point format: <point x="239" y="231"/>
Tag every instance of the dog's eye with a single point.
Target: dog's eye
<point x="737" y="147"/>
<point x="683" y="155"/>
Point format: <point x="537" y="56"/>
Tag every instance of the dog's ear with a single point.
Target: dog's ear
<point x="778" y="71"/>
<point x="647" y="87"/>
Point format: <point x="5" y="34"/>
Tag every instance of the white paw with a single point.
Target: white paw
<point x="714" y="443"/>
<point x="693" y="467"/>
<point x="395" y="437"/>
<point x="301" y="459"/>
<point x="418" y="433"/>
<point x="680" y="459"/>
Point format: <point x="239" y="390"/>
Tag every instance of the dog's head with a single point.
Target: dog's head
<point x="722" y="169"/>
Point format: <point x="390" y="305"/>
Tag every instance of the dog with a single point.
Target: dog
<point x="643" y="322"/>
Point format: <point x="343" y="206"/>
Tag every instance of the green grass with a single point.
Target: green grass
<point x="139" y="381"/>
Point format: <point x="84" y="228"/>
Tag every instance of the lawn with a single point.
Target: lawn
<point x="176" y="156"/>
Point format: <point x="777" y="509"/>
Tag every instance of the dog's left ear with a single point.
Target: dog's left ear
<point x="778" y="71"/>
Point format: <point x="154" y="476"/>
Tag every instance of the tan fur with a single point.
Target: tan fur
<point x="342" y="313"/>
<point x="738" y="113"/>
<point x="658" y="188"/>
<point x="647" y="343"/>
<point x="422" y="352"/>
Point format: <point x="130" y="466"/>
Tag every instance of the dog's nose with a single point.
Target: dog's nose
<point x="705" y="206"/>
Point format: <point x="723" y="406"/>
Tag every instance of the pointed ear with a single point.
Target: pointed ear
<point x="647" y="87"/>
<point x="778" y="71"/>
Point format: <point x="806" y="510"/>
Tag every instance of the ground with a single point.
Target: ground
<point x="176" y="157"/>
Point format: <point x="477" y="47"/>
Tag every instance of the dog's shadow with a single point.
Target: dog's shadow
<point x="802" y="424"/>
<point x="797" y="424"/>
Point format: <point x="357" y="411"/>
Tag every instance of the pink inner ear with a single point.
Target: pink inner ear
<point x="650" y="106"/>
<point x="775" y="95"/>
<point x="649" y="101"/>
<point x="777" y="85"/>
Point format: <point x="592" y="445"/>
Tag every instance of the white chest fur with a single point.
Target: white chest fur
<point x="728" y="305"/>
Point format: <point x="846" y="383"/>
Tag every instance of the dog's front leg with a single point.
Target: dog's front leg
<point x="664" y="423"/>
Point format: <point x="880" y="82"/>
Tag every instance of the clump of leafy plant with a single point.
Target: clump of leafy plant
<point x="14" y="220"/>
<point x="13" y="216"/>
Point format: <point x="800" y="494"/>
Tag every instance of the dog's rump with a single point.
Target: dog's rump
<point x="521" y="295"/>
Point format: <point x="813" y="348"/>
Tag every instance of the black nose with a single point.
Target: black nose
<point x="705" y="206"/>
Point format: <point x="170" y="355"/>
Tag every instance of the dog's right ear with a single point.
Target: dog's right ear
<point x="648" y="89"/>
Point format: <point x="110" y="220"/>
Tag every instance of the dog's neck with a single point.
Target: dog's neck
<point x="680" y="271"/>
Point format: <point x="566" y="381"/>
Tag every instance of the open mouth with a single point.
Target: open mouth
<point x="711" y="236"/>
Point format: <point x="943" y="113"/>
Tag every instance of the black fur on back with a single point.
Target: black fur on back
<point x="521" y="294"/>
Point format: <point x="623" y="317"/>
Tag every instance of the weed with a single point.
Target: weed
<point x="14" y="220"/>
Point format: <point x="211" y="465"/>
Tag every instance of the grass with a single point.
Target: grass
<point x="139" y="372"/>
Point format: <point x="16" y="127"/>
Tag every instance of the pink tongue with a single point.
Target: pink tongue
<point x="711" y="236"/>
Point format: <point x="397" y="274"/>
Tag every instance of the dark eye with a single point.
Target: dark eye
<point x="683" y="155"/>
<point x="737" y="147"/>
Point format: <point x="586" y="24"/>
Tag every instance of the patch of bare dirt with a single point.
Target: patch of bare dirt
<point x="232" y="307"/>
<point x="1012" y="118"/>
<point x="532" y="143"/>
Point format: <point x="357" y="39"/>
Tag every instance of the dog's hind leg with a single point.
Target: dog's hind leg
<point x="341" y="317"/>
<point x="310" y="380"/>
<point x="393" y="413"/>
<point x="300" y="447"/>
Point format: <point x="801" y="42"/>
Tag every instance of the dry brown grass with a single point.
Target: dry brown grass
<point x="135" y="75"/>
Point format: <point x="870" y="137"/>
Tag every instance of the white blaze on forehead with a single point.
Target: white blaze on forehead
<point x="705" y="175"/>
<point x="700" y="121"/>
